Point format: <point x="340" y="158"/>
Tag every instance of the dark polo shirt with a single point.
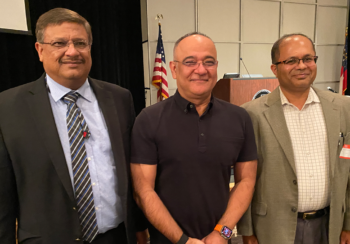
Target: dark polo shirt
<point x="193" y="156"/>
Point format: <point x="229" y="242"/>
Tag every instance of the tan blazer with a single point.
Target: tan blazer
<point x="272" y="216"/>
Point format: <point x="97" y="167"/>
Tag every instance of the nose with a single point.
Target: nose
<point x="71" y="51"/>
<point x="301" y="64"/>
<point x="200" y="69"/>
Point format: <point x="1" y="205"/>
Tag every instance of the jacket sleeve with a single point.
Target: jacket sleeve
<point x="345" y="118"/>
<point x="346" y="224"/>
<point x="8" y="197"/>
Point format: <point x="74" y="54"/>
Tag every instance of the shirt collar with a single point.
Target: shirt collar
<point x="312" y="97"/>
<point x="58" y="91"/>
<point x="186" y="105"/>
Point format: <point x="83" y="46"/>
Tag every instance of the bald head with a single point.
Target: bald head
<point x="195" y="33"/>
<point x="194" y="43"/>
<point x="275" y="51"/>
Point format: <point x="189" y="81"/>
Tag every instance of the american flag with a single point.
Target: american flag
<point x="343" y="85"/>
<point x="159" y="79"/>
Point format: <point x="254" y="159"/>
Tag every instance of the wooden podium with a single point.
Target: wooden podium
<point x="241" y="90"/>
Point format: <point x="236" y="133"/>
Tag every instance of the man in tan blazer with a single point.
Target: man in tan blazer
<point x="302" y="188"/>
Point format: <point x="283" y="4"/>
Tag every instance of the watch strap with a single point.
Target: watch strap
<point x="218" y="228"/>
<point x="184" y="238"/>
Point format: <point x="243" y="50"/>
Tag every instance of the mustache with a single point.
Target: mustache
<point x="72" y="60"/>
<point x="302" y="73"/>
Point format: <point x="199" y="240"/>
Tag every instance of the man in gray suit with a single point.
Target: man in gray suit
<point x="302" y="135"/>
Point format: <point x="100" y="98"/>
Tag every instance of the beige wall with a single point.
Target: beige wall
<point x="247" y="29"/>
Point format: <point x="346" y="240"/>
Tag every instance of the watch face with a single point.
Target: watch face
<point x="226" y="232"/>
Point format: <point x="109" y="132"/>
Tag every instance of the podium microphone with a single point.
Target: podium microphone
<point x="245" y="67"/>
<point x="330" y="89"/>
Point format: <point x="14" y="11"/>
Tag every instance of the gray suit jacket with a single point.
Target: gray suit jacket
<point x="272" y="216"/>
<point x="35" y="184"/>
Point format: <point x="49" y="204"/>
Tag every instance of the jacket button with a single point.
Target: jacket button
<point x="294" y="182"/>
<point x="294" y="210"/>
<point x="78" y="239"/>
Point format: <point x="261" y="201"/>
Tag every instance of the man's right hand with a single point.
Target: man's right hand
<point x="194" y="241"/>
<point x="250" y="240"/>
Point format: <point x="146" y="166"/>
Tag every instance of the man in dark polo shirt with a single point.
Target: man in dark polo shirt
<point x="182" y="152"/>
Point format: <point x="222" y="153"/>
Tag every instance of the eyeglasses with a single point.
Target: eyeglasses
<point x="308" y="61"/>
<point x="79" y="45"/>
<point x="195" y="64"/>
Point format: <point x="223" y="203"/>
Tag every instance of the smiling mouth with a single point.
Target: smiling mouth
<point x="72" y="62"/>
<point x="199" y="79"/>
<point x="301" y="75"/>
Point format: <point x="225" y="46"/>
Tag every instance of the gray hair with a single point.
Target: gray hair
<point x="58" y="16"/>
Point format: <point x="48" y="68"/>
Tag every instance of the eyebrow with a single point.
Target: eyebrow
<point x="64" y="39"/>
<point x="306" y="55"/>
<point x="206" y="57"/>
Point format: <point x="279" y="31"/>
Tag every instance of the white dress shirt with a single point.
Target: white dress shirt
<point x="102" y="167"/>
<point x="307" y="129"/>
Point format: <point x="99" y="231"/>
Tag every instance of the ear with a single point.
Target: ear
<point x="173" y="68"/>
<point x="39" y="49"/>
<point x="274" y="69"/>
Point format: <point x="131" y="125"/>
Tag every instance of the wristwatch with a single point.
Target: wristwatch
<point x="184" y="238"/>
<point x="224" y="231"/>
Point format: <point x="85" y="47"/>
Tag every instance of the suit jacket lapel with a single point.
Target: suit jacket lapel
<point x="331" y="113"/>
<point x="275" y="117"/>
<point x="40" y="106"/>
<point x="110" y="114"/>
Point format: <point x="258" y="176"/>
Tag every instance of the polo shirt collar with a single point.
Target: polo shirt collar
<point x="57" y="91"/>
<point x="186" y="105"/>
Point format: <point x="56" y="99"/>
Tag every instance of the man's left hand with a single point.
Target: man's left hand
<point x="345" y="237"/>
<point x="214" y="238"/>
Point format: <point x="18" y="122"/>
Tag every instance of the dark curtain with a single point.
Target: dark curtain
<point x="116" y="51"/>
<point x="347" y="92"/>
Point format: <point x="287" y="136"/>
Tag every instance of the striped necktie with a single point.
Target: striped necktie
<point x="77" y="132"/>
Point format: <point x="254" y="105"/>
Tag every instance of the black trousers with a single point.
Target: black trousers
<point x="113" y="236"/>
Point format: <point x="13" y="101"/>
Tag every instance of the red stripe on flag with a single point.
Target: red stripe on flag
<point x="160" y="69"/>
<point x="345" y="82"/>
<point x="158" y="60"/>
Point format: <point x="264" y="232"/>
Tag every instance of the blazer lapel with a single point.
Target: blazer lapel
<point x="40" y="106"/>
<point x="111" y="116"/>
<point x="275" y="117"/>
<point x="331" y="113"/>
